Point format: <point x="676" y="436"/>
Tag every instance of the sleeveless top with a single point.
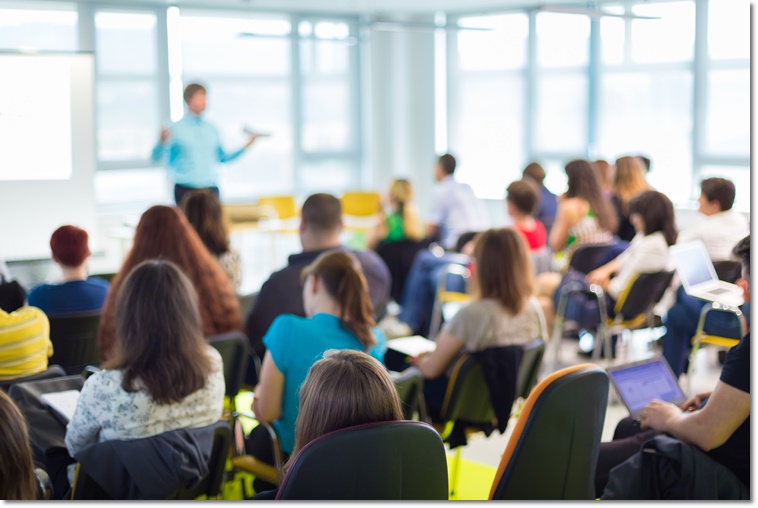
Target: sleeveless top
<point x="587" y="230"/>
<point x="395" y="227"/>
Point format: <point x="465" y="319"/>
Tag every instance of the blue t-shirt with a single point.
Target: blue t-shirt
<point x="73" y="296"/>
<point x="295" y="344"/>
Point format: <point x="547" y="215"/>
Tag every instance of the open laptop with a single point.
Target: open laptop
<point x="638" y="383"/>
<point x="62" y="404"/>
<point x="699" y="277"/>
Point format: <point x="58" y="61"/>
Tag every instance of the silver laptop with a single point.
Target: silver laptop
<point x="640" y="382"/>
<point x="698" y="276"/>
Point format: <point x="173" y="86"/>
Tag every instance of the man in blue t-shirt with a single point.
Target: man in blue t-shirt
<point x="76" y="293"/>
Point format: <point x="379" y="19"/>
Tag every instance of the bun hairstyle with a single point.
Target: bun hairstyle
<point x="344" y="281"/>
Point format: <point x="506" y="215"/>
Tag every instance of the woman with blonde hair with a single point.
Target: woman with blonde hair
<point x="164" y="233"/>
<point x="338" y="310"/>
<point x="402" y="222"/>
<point x="17" y="479"/>
<point x="628" y="182"/>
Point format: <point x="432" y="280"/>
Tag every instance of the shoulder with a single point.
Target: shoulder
<point x="24" y="316"/>
<point x="476" y="310"/>
<point x="38" y="292"/>
<point x="98" y="282"/>
<point x="369" y="259"/>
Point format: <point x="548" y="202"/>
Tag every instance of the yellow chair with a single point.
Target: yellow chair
<point x="283" y="206"/>
<point x="701" y="338"/>
<point x="361" y="204"/>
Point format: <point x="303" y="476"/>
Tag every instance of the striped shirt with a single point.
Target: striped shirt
<point x="24" y="343"/>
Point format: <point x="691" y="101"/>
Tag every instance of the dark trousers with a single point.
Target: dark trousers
<point x="258" y="444"/>
<point x="180" y="190"/>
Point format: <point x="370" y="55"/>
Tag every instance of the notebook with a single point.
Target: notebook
<point x="412" y="346"/>
<point x="640" y="382"/>
<point x="62" y="403"/>
<point x="698" y="276"/>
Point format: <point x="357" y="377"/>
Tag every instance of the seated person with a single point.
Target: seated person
<point x="338" y="310"/>
<point x="320" y="229"/>
<point x="12" y="294"/>
<point x="548" y="203"/>
<point x="162" y="375"/>
<point x="17" y="478"/>
<point x="521" y="202"/>
<point x="163" y="232"/>
<point x="24" y="343"/>
<point x="77" y="292"/>
<point x="719" y="230"/>
<point x="721" y="427"/>
<point x="354" y="387"/>
<point x="504" y="312"/>
<point x="401" y="221"/>
<point x="629" y="181"/>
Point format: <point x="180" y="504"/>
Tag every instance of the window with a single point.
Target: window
<point x="47" y="27"/>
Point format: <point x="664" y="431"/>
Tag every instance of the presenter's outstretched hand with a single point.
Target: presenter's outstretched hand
<point x="165" y="134"/>
<point x="252" y="139"/>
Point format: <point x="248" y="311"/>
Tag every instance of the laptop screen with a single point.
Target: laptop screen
<point x="641" y="382"/>
<point x="692" y="264"/>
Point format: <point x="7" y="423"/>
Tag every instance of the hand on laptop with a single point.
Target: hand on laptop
<point x="657" y="415"/>
<point x="694" y="403"/>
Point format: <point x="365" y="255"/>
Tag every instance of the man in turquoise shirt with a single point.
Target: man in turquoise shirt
<point x="194" y="148"/>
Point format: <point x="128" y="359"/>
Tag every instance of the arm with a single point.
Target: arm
<point x="160" y="146"/>
<point x="84" y="428"/>
<point x="435" y="363"/>
<point x="378" y="234"/>
<point x="432" y="230"/>
<point x="560" y="232"/>
<point x="267" y="404"/>
<point x="224" y="157"/>
<point x="602" y="276"/>
<point x="707" y="428"/>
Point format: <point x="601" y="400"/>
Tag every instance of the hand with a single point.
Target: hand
<point x="694" y="403"/>
<point x="165" y="134"/>
<point x="252" y="139"/>
<point x="416" y="359"/>
<point x="657" y="415"/>
<point x="600" y="277"/>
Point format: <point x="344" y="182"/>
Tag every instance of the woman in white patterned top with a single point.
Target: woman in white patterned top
<point x="163" y="376"/>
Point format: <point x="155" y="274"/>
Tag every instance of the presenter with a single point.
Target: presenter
<point x="193" y="148"/>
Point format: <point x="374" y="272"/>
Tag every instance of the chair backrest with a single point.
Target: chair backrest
<point x="589" y="256"/>
<point x="234" y="349"/>
<point x="398" y="256"/>
<point x="728" y="271"/>
<point x="410" y="389"/>
<point x="52" y="371"/>
<point x="553" y="450"/>
<point x="467" y="396"/>
<point x="284" y="206"/>
<point x="379" y="461"/>
<point x="74" y="338"/>
<point x="542" y="260"/>
<point x="464" y="239"/>
<point x="361" y="204"/>
<point x="641" y="293"/>
<point x="211" y="484"/>
<point x="247" y="302"/>
<point x="531" y="360"/>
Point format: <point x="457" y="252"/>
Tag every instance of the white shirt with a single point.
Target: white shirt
<point x="645" y="254"/>
<point x="456" y="210"/>
<point x="106" y="412"/>
<point x="719" y="232"/>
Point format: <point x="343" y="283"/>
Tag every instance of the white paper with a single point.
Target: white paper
<point x="412" y="346"/>
<point x="62" y="402"/>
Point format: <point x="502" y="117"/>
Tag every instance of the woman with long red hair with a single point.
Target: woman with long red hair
<point x="164" y="233"/>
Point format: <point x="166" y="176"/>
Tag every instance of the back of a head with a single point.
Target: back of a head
<point x="583" y="183"/>
<point x="605" y="173"/>
<point x="535" y="171"/>
<point x="322" y="214"/>
<point x="657" y="213"/>
<point x="159" y="337"/>
<point x="719" y="189"/>
<point x="344" y="389"/>
<point x="203" y="211"/>
<point x="17" y="479"/>
<point x="343" y="278"/>
<point x="741" y="251"/>
<point x="503" y="268"/>
<point x="448" y="163"/>
<point x="524" y="196"/>
<point x="69" y="245"/>
<point x="629" y="179"/>
<point x="401" y="191"/>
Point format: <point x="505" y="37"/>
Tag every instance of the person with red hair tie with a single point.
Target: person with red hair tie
<point x="77" y="292"/>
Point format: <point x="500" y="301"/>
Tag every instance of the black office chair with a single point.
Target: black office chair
<point x="379" y="461"/>
<point x="410" y="389"/>
<point x="728" y="271"/>
<point x="553" y="450"/>
<point x="531" y="361"/>
<point x="398" y="256"/>
<point x="590" y="256"/>
<point x="74" y="338"/>
<point x="210" y="486"/>
<point x="52" y="371"/>
<point x="234" y="349"/>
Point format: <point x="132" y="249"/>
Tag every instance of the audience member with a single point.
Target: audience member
<point x="548" y="203"/>
<point x="203" y="211"/>
<point x="401" y="221"/>
<point x="17" y="479"/>
<point x="77" y="292"/>
<point x="721" y="228"/>
<point x="320" y="229"/>
<point x="521" y="201"/>
<point x="628" y="182"/>
<point x="455" y="208"/>
<point x="338" y="310"/>
<point x="605" y="174"/>
<point x="164" y="233"/>
<point x="24" y="343"/>
<point x="344" y="389"/>
<point x="12" y="293"/>
<point x="503" y="313"/>
<point x="161" y="374"/>
<point x="716" y="422"/>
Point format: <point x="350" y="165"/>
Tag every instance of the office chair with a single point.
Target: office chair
<point x="210" y="485"/>
<point x="74" y="338"/>
<point x="398" y="256"/>
<point x="410" y="389"/>
<point x="52" y="371"/>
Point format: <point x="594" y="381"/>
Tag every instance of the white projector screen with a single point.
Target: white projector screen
<point x="47" y="150"/>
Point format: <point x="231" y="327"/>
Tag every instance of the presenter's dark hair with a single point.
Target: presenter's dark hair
<point x="657" y="214"/>
<point x="203" y="211"/>
<point x="159" y="335"/>
<point x="447" y="163"/>
<point x="719" y="189"/>
<point x="17" y="479"/>
<point x="191" y="89"/>
<point x="322" y="213"/>
<point x="583" y="183"/>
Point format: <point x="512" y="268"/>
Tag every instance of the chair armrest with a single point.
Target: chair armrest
<point x="275" y="446"/>
<point x="44" y="484"/>
<point x="89" y="370"/>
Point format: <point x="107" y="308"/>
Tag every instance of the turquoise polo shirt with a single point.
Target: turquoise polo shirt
<point x="295" y="344"/>
<point x="193" y="151"/>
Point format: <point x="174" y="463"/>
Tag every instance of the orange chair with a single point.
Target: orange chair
<point x="553" y="451"/>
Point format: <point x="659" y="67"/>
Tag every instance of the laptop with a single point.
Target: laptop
<point x="638" y="383"/>
<point x="62" y="404"/>
<point x="698" y="276"/>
